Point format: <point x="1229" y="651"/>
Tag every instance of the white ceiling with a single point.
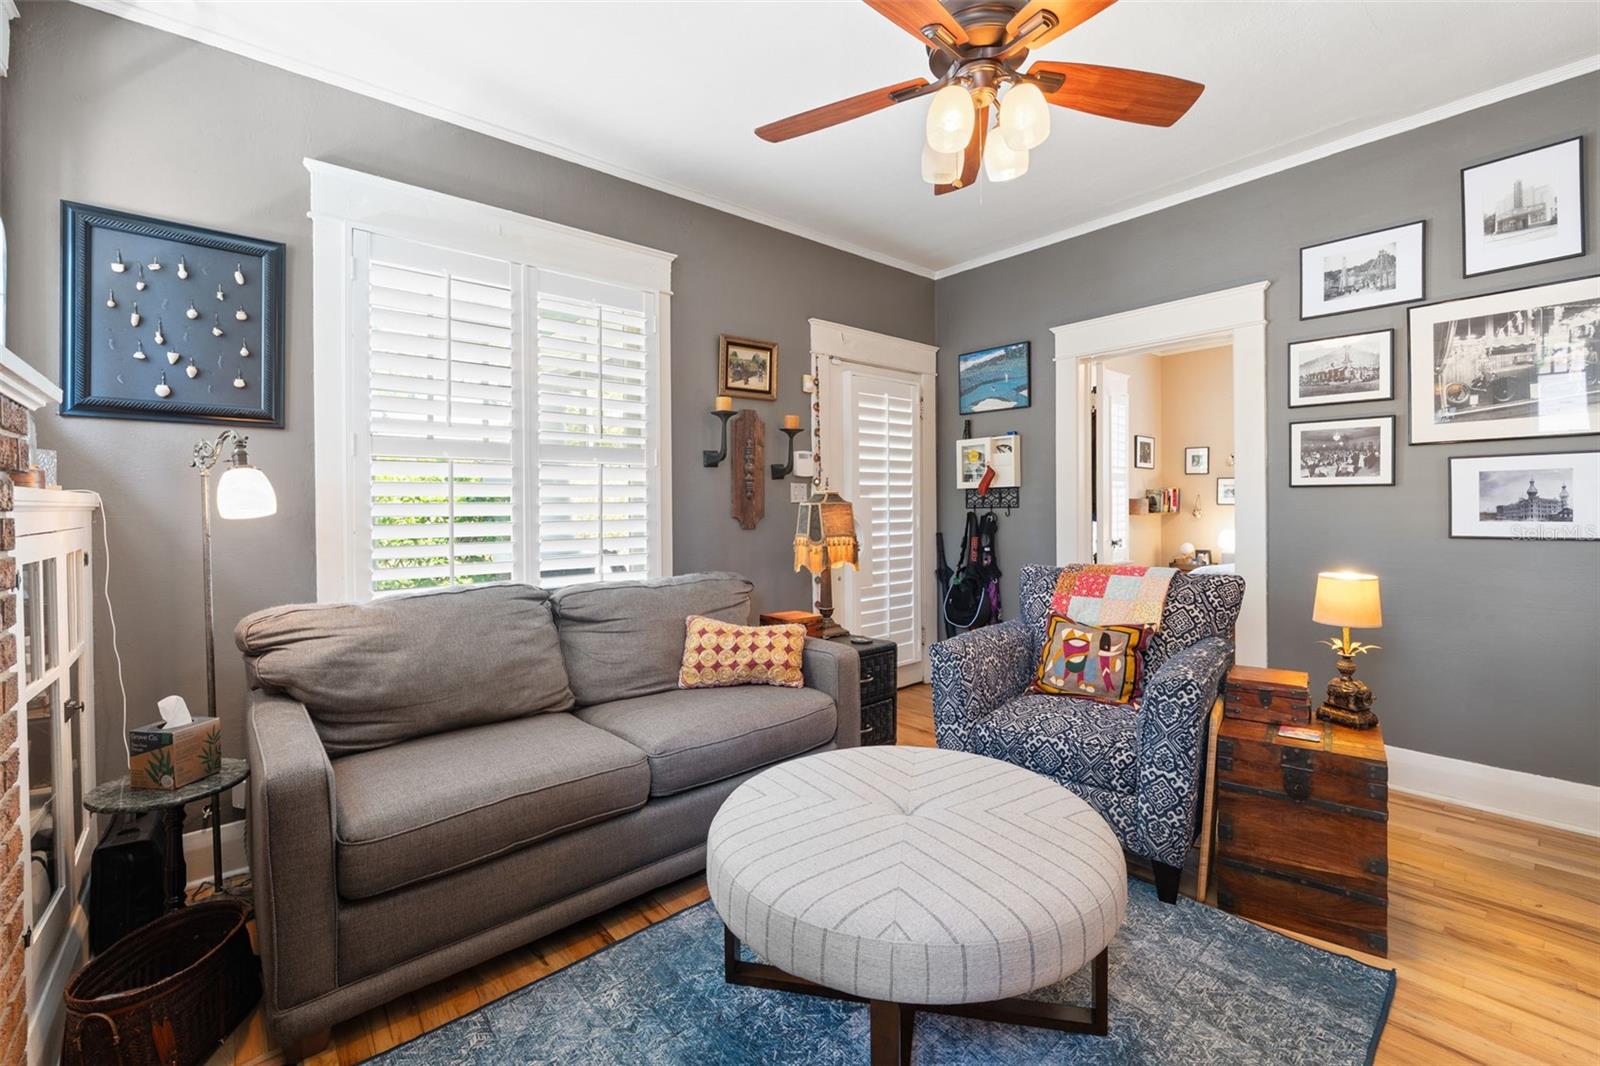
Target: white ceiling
<point x="667" y="93"/>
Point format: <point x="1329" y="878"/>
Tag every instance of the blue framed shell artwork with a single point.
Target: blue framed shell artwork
<point x="169" y="322"/>
<point x="994" y="379"/>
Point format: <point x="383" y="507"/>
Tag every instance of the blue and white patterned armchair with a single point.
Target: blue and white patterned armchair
<point x="1140" y="768"/>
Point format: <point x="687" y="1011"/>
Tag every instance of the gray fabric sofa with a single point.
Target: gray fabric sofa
<point x="439" y="777"/>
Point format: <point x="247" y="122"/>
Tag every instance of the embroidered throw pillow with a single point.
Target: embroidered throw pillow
<point x="1104" y="663"/>
<point x="719" y="654"/>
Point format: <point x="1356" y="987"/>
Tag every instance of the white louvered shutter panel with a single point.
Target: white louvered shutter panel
<point x="883" y="414"/>
<point x="594" y="438"/>
<point x="441" y="338"/>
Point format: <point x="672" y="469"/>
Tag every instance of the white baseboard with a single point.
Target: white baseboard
<point x="1543" y="800"/>
<point x="197" y="852"/>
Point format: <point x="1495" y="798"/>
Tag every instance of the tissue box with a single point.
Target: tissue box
<point x="168" y="757"/>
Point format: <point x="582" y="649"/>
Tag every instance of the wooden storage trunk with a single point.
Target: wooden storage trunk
<point x="812" y="622"/>
<point x="1302" y="831"/>
<point x="1261" y="694"/>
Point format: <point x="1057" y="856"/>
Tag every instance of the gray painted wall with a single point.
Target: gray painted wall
<point x="1491" y="650"/>
<point x="108" y="112"/>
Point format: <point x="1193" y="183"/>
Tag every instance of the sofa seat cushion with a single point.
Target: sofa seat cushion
<point x="695" y="736"/>
<point x="448" y="801"/>
<point x="1075" y="741"/>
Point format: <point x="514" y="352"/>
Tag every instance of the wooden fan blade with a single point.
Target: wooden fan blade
<point x="1113" y="92"/>
<point x="913" y="15"/>
<point x="820" y="118"/>
<point x="974" y="155"/>
<point x="1069" y="14"/>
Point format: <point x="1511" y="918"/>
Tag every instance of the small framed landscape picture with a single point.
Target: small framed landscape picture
<point x="1368" y="270"/>
<point x="994" y="379"/>
<point x="747" y="368"/>
<point x="1526" y="497"/>
<point x="1348" y="369"/>
<point x="1197" y="460"/>
<point x="1225" y="492"/>
<point x="1523" y="363"/>
<point x="1350" y="451"/>
<point x="1144" y="453"/>
<point x="1523" y="209"/>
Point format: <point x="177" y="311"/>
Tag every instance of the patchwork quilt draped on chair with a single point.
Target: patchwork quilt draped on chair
<point x="1138" y="766"/>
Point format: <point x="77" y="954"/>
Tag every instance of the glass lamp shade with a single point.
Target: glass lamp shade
<point x="950" y="119"/>
<point x="1226" y="540"/>
<point x="1347" y="599"/>
<point x="1024" y="117"/>
<point x="1001" y="162"/>
<point x="245" y="492"/>
<point x="940" y="168"/>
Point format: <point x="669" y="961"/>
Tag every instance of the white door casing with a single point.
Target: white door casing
<point x="1114" y="452"/>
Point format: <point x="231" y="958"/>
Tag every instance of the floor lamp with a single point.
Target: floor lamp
<point x="242" y="492"/>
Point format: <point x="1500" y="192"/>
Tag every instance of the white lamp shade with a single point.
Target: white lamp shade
<point x="941" y="168"/>
<point x="1225" y="540"/>
<point x="1001" y="162"/>
<point x="950" y="119"/>
<point x="1346" y="598"/>
<point x="245" y="492"/>
<point x="1024" y="117"/>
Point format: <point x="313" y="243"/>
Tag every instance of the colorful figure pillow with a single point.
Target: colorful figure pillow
<point x="1104" y="663"/>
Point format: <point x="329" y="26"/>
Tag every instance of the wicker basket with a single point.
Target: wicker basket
<point x="166" y="994"/>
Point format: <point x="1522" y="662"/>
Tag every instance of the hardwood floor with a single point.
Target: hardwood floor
<point x="1494" y="927"/>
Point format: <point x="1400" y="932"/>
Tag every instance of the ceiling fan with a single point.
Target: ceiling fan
<point x="976" y="48"/>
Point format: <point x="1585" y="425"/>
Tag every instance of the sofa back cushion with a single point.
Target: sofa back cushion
<point x="1198" y="606"/>
<point x="375" y="674"/>
<point x="625" y="639"/>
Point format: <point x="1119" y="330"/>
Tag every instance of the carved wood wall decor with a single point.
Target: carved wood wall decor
<point x="749" y="452"/>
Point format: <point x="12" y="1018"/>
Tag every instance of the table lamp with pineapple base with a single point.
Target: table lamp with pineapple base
<point x="1347" y="600"/>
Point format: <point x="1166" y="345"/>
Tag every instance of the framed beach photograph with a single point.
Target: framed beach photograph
<point x="1348" y="369"/>
<point x="1349" y="451"/>
<point x="994" y="379"/>
<point x="1523" y="209"/>
<point x="1368" y="270"/>
<point x="747" y="368"/>
<point x="1507" y="365"/>
<point x="1526" y="497"/>
<point x="1197" y="460"/>
<point x="1225" y="492"/>
<point x="1144" y="453"/>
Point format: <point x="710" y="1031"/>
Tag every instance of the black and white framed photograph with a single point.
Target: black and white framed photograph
<point x="1507" y="365"/>
<point x="1225" y="492"/>
<point x="1349" y="451"/>
<point x="1526" y="497"/>
<point x="1144" y="453"/>
<point x="1523" y="209"/>
<point x="1202" y="557"/>
<point x="1349" y="369"/>
<point x="1368" y="270"/>
<point x="1197" y="460"/>
<point x="169" y="322"/>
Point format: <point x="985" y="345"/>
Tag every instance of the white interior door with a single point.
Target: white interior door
<point x="1114" y="448"/>
<point x="884" y="439"/>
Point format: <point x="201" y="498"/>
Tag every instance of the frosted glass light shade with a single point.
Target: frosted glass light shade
<point x="1024" y="117"/>
<point x="941" y="168"/>
<point x="1002" y="162"/>
<point x="1225" y="540"/>
<point x="950" y="119"/>
<point x="245" y="492"/>
<point x="1346" y="598"/>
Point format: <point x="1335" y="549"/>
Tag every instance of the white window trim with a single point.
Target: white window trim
<point x="345" y="201"/>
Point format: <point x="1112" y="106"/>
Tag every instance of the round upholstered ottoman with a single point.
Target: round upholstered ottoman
<point x="917" y="879"/>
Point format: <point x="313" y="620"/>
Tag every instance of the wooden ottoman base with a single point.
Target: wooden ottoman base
<point x="892" y="1022"/>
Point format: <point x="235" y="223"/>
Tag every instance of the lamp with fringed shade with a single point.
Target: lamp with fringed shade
<point x="825" y="539"/>
<point x="1350" y="601"/>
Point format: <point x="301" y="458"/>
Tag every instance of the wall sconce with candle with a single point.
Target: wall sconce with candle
<point x="791" y="428"/>
<point x="723" y="409"/>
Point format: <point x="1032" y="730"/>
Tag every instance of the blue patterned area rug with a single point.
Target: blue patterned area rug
<point x="1189" y="985"/>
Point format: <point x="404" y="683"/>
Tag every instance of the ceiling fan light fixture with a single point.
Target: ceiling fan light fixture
<point x="941" y="168"/>
<point x="1001" y="162"/>
<point x="1024" y="117"/>
<point x="950" y="119"/>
